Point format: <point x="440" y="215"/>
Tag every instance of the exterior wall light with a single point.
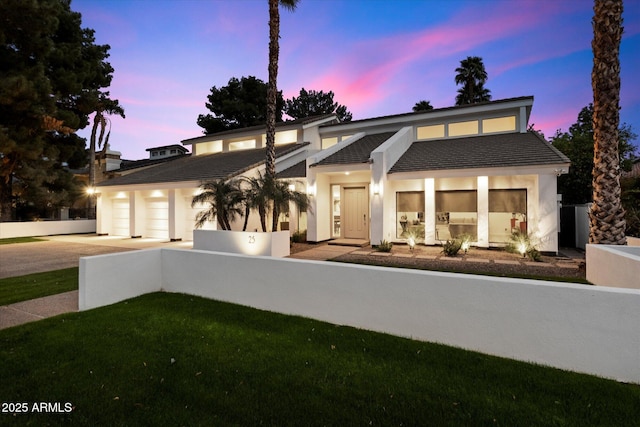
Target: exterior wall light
<point x="376" y="189"/>
<point x="91" y="191"/>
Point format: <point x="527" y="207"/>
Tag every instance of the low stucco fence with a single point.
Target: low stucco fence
<point x="576" y="327"/>
<point x="613" y="265"/>
<point x="46" y="228"/>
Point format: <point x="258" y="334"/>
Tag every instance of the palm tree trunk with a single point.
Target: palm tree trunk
<point x="92" y="164"/>
<point x="272" y="88"/>
<point x="247" y="211"/>
<point x="607" y="223"/>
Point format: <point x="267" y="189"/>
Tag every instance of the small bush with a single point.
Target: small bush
<point x="384" y="246"/>
<point x="299" y="237"/>
<point x="521" y="244"/>
<point x="451" y="247"/>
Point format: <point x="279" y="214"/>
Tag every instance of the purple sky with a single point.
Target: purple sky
<point x="379" y="57"/>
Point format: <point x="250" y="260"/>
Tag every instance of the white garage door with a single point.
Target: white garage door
<point x="120" y="217"/>
<point x="157" y="218"/>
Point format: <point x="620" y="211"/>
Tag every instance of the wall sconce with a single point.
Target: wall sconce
<point x="311" y="190"/>
<point x="292" y="187"/>
<point x="376" y="189"/>
<point x="91" y="191"/>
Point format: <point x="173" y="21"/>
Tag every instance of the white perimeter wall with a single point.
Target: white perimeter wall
<point x="576" y="327"/>
<point x="616" y="266"/>
<point x="46" y="228"/>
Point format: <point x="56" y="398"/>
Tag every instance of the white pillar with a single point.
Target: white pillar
<point x="546" y="231"/>
<point x="430" y="211"/>
<point x="483" y="212"/>
<point x="176" y="215"/>
<point x="104" y="215"/>
<point x="137" y="226"/>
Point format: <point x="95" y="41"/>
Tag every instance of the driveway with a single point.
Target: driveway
<point x="58" y="252"/>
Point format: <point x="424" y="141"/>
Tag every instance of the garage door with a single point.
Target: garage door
<point x="120" y="218"/>
<point x="157" y="218"/>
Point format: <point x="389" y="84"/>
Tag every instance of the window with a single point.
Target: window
<point x="410" y="215"/>
<point x="463" y="128"/>
<point x="286" y="137"/>
<point x="163" y="152"/>
<point x="335" y="199"/>
<point x="173" y="151"/>
<point x="328" y="142"/>
<point x="507" y="214"/>
<point x="242" y="145"/>
<point x="499" y="124"/>
<point x="456" y="214"/>
<point x="429" y="132"/>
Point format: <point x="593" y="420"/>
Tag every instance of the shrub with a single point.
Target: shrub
<point x="521" y="244"/>
<point x="299" y="237"/>
<point x="451" y="247"/>
<point x="384" y="246"/>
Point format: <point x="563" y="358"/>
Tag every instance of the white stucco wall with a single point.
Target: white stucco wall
<point x="617" y="266"/>
<point x="563" y="325"/>
<point x="46" y="228"/>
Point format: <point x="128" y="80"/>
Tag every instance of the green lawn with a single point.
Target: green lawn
<point x="20" y="240"/>
<point x="22" y="288"/>
<point x="168" y="359"/>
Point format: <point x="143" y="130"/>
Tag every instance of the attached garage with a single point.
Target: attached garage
<point x="120" y="217"/>
<point x="157" y="217"/>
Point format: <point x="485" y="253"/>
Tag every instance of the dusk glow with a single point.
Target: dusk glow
<point x="378" y="57"/>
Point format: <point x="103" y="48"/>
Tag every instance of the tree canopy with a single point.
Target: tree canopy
<point x="578" y="144"/>
<point x="315" y="103"/>
<point x="50" y="70"/>
<point x="422" y="106"/>
<point x="241" y="103"/>
<point x="472" y="75"/>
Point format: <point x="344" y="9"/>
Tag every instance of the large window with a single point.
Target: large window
<point x="410" y="215"/>
<point x="456" y="214"/>
<point x="507" y="214"/>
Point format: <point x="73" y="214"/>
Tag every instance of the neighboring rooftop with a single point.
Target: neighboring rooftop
<point x="299" y="170"/>
<point x="201" y="168"/>
<point x="485" y="151"/>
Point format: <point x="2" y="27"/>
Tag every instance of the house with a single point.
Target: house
<point x="467" y="170"/>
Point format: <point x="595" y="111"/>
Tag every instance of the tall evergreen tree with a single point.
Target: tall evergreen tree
<point x="241" y="103"/>
<point x="472" y="75"/>
<point x="607" y="221"/>
<point x="47" y="63"/>
<point x="315" y="103"/>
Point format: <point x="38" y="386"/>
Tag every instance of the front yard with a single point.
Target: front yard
<point x="169" y="359"/>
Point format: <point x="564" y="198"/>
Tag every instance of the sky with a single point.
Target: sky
<point x="379" y="57"/>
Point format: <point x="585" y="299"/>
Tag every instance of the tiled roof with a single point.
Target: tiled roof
<point x="135" y="164"/>
<point x="201" y="168"/>
<point x="298" y="170"/>
<point x="356" y="152"/>
<point x="486" y="151"/>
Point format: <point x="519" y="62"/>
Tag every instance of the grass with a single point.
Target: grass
<point x="22" y="288"/>
<point x="169" y="359"/>
<point x="20" y="240"/>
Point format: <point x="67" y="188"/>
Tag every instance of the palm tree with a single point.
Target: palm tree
<point x="271" y="196"/>
<point x="272" y="88"/>
<point x="422" y="106"/>
<point x="472" y="75"/>
<point x="224" y="198"/>
<point x="282" y="197"/>
<point x="256" y="197"/>
<point x="101" y="105"/>
<point x="607" y="223"/>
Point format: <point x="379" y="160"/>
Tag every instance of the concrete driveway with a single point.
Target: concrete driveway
<point x="58" y="252"/>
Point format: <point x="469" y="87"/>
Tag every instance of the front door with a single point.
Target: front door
<point x="356" y="213"/>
